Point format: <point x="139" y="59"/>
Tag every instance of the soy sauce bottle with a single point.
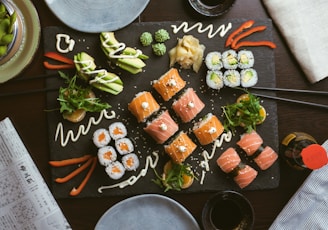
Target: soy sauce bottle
<point x="301" y="151"/>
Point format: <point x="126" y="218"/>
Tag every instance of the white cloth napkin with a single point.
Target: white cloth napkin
<point x="308" y="208"/>
<point x="304" y="26"/>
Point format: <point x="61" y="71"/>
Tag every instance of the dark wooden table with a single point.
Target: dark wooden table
<point x="29" y="118"/>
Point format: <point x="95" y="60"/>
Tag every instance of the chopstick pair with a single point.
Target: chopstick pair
<point x="323" y="93"/>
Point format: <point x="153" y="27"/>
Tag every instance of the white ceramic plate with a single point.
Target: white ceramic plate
<point x="94" y="16"/>
<point x="148" y="211"/>
<point x="30" y="42"/>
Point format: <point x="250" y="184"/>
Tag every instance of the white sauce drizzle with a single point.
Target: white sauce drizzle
<point x="218" y="143"/>
<point x="82" y="129"/>
<point x="70" y="43"/>
<point x="118" y="48"/>
<point x="223" y="29"/>
<point x="133" y="179"/>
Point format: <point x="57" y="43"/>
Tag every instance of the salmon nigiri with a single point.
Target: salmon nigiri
<point x="162" y="127"/>
<point x="229" y="160"/>
<point x="208" y="129"/>
<point x="169" y="84"/>
<point x="143" y="105"/>
<point x="245" y="176"/>
<point x="266" y="158"/>
<point x="250" y="142"/>
<point x="180" y="148"/>
<point x="188" y="105"/>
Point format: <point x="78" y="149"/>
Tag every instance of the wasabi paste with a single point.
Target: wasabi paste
<point x="146" y="38"/>
<point x="161" y="35"/>
<point x="159" y="49"/>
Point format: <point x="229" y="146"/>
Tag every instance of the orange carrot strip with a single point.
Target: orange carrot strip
<point x="60" y="66"/>
<point x="59" y="57"/>
<point x="70" y="161"/>
<point x="246" y="33"/>
<point x="75" y="172"/>
<point x="243" y="26"/>
<point x="255" y="43"/>
<point x="78" y="190"/>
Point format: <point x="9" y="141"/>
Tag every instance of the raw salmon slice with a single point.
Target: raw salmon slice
<point x="208" y="129"/>
<point x="143" y="105"/>
<point x="188" y="105"/>
<point x="266" y="158"/>
<point x="250" y="142"/>
<point x="245" y="176"/>
<point x="180" y="148"/>
<point x="169" y="84"/>
<point x="228" y="160"/>
<point x="162" y="127"/>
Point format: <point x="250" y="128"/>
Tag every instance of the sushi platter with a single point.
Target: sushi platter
<point x="144" y="145"/>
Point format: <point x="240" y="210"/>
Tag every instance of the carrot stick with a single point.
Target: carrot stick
<point x="70" y="161"/>
<point x="246" y="33"/>
<point x="255" y="43"/>
<point x="78" y="190"/>
<point x="75" y="172"/>
<point x="58" y="57"/>
<point x="243" y="26"/>
<point x="60" y="66"/>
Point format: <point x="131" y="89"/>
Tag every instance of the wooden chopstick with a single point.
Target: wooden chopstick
<point x="292" y="101"/>
<point x="291" y="90"/>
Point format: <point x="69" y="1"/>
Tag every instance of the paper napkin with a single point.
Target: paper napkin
<point x="308" y="207"/>
<point x="304" y="27"/>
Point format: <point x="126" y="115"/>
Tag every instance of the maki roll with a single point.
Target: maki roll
<point x="107" y="155"/>
<point x="124" y="146"/>
<point x="230" y="59"/>
<point x="188" y="105"/>
<point x="180" y="147"/>
<point x="162" y="127"/>
<point x="115" y="170"/>
<point x="101" y="137"/>
<point x="213" y="60"/>
<point x="117" y="130"/>
<point x="248" y="77"/>
<point x="231" y="78"/>
<point x="266" y="158"/>
<point x="130" y="162"/>
<point x="169" y="84"/>
<point x="143" y="105"/>
<point x="214" y="79"/>
<point x="208" y="129"/>
<point x="250" y="142"/>
<point x="245" y="59"/>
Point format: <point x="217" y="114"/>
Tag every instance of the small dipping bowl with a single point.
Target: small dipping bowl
<point x="228" y="210"/>
<point x="211" y="8"/>
<point x="18" y="30"/>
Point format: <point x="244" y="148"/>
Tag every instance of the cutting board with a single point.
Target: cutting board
<point x="214" y="179"/>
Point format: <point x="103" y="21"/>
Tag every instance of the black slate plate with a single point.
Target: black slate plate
<point x="215" y="179"/>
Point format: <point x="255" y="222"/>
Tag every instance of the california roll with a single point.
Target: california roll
<point x="230" y="59"/>
<point x="214" y="79"/>
<point x="231" y="78"/>
<point x="245" y="59"/>
<point x="248" y="77"/>
<point x="213" y="60"/>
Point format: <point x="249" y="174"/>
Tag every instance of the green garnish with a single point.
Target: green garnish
<point x="159" y="49"/>
<point x="162" y="35"/>
<point x="245" y="113"/>
<point x="75" y="97"/>
<point x="173" y="178"/>
<point x="146" y="38"/>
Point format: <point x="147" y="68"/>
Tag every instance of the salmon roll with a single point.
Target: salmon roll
<point x="245" y="176"/>
<point x="101" y="137"/>
<point x="117" y="130"/>
<point x="169" y="84"/>
<point x="162" y="127"/>
<point x="180" y="148"/>
<point x="250" y="142"/>
<point x="266" y="158"/>
<point x="229" y="160"/>
<point x="143" y="105"/>
<point x="208" y="129"/>
<point x="115" y="170"/>
<point x="130" y="162"/>
<point x="188" y="105"/>
<point x="107" y="155"/>
<point x="124" y="146"/>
